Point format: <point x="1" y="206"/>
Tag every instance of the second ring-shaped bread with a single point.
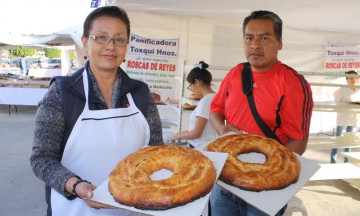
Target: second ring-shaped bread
<point x="280" y="169"/>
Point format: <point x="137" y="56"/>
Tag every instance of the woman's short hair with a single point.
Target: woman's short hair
<point x="108" y="11"/>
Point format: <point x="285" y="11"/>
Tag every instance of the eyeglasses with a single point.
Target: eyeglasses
<point x="190" y="86"/>
<point x="104" y="39"/>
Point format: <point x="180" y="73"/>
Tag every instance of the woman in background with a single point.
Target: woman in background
<point x="201" y="130"/>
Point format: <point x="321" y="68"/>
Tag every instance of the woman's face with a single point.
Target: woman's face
<point x="352" y="80"/>
<point x="195" y="88"/>
<point x="105" y="56"/>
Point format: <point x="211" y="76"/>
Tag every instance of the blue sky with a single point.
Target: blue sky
<point x="41" y="16"/>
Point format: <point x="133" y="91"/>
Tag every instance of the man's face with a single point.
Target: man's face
<point x="261" y="45"/>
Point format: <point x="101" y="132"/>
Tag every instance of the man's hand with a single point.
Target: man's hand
<point x="218" y="120"/>
<point x="228" y="128"/>
<point x="297" y="146"/>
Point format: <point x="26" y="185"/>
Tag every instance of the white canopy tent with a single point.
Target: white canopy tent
<point x="212" y="30"/>
<point x="64" y="40"/>
<point x="208" y="30"/>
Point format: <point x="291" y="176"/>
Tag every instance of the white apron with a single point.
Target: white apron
<point x="98" y="141"/>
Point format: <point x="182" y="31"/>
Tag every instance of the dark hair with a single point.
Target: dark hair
<point x="350" y="72"/>
<point x="262" y="14"/>
<point x="108" y="11"/>
<point x="202" y="74"/>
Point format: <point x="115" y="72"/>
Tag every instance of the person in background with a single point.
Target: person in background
<point x="350" y="122"/>
<point x="23" y="67"/>
<point x="201" y="131"/>
<point x="89" y="121"/>
<point x="283" y="99"/>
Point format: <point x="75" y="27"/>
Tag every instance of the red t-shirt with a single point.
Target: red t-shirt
<point x="269" y="87"/>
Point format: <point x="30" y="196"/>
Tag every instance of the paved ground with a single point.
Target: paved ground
<point x="22" y="194"/>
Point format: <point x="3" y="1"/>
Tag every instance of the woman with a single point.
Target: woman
<point x="201" y="130"/>
<point x="350" y="122"/>
<point x="89" y="121"/>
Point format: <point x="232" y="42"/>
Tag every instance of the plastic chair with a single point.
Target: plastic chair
<point x="295" y="205"/>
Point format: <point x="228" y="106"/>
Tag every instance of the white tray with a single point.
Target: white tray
<point x="272" y="201"/>
<point x="101" y="194"/>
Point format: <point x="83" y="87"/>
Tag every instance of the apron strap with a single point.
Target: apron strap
<point x="131" y="100"/>
<point x="86" y="88"/>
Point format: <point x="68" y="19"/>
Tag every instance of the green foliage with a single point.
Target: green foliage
<point x="73" y="55"/>
<point x="22" y="51"/>
<point x="52" y="53"/>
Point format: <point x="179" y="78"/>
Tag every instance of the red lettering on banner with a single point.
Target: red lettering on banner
<point x="354" y="65"/>
<point x="333" y="65"/>
<point x="154" y="66"/>
<point x="138" y="64"/>
<point x="167" y="67"/>
<point x="339" y="65"/>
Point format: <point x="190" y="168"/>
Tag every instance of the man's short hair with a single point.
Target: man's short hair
<point x="262" y="14"/>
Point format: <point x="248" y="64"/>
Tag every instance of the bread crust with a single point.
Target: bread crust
<point x="193" y="97"/>
<point x="188" y="106"/>
<point x="281" y="168"/>
<point x="157" y="98"/>
<point x="193" y="177"/>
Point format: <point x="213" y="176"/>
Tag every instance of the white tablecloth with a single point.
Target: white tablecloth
<point x="21" y="96"/>
<point x="44" y="72"/>
<point x="16" y="71"/>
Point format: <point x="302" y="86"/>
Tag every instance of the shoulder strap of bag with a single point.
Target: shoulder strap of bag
<point x="247" y="86"/>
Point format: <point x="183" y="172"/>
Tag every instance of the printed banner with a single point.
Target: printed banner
<point x="153" y="61"/>
<point x="342" y="56"/>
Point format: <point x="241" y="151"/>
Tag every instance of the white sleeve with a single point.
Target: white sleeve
<point x="203" y="109"/>
<point x="339" y="95"/>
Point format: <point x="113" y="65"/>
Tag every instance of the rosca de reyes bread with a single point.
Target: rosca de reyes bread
<point x="193" y="177"/>
<point x="280" y="169"/>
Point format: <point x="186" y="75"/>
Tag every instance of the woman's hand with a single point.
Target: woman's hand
<point x="97" y="205"/>
<point x="177" y="137"/>
<point x="84" y="190"/>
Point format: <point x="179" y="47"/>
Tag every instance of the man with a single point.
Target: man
<point x="350" y="122"/>
<point x="282" y="97"/>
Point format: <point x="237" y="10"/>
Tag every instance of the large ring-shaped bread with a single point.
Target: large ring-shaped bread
<point x="193" y="177"/>
<point x="281" y="168"/>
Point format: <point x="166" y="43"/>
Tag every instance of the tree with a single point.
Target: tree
<point x="22" y="51"/>
<point x="52" y="53"/>
<point x="73" y="55"/>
